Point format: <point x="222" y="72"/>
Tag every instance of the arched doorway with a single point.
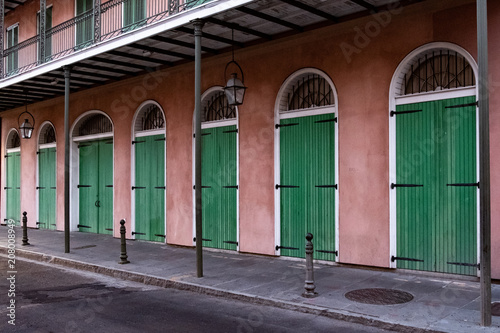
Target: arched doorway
<point x="306" y="169"/>
<point x="46" y="188"/>
<point x="219" y="169"/>
<point x="434" y="171"/>
<point x="13" y="177"/>
<point x="92" y="183"/>
<point x="149" y="159"/>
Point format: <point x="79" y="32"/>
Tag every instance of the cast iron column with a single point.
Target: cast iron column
<point x="2" y="35"/>
<point x="97" y="21"/>
<point x="67" y="75"/>
<point x="198" y="25"/>
<point x="43" y="16"/>
<point x="484" y="164"/>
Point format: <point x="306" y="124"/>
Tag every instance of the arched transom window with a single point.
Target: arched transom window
<point x="47" y="134"/>
<point x="437" y="70"/>
<point x="13" y="141"/>
<point x="95" y="123"/>
<point x="150" y="117"/>
<point x="216" y="108"/>
<point x="307" y="91"/>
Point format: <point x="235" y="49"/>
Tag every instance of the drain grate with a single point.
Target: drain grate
<point x="495" y="308"/>
<point x="379" y="296"/>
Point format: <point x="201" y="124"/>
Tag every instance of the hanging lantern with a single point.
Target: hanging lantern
<point x="235" y="88"/>
<point x="26" y="128"/>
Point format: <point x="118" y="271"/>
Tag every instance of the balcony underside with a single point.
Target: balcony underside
<point x="169" y="42"/>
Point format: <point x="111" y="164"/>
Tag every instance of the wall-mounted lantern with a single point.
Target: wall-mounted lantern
<point x="235" y="88"/>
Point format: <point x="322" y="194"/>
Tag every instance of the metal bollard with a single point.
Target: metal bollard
<point x="25" y="229"/>
<point x="123" y="254"/>
<point x="309" y="286"/>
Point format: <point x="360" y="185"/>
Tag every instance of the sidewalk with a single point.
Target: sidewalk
<point x="439" y="304"/>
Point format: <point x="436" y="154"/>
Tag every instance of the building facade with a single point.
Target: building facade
<point x="359" y="125"/>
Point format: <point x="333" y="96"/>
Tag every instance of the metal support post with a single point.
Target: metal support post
<point x="309" y="286"/>
<point x="67" y="76"/>
<point x="97" y="21"/>
<point x="198" y="25"/>
<point x="25" y="229"/>
<point x="123" y="254"/>
<point x="42" y="32"/>
<point x="2" y="36"/>
<point x="484" y="163"/>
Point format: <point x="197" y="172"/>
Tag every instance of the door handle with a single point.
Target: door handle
<point x="98" y="203"/>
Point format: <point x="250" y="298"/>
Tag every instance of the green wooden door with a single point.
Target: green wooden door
<point x="96" y="187"/>
<point x="436" y="191"/>
<point x="13" y="188"/>
<point x="47" y="188"/>
<point x="134" y="14"/>
<point x="150" y="188"/>
<point x="219" y="187"/>
<point x="307" y="185"/>
<point x="84" y="23"/>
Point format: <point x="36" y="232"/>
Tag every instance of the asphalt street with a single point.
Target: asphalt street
<point x="52" y="299"/>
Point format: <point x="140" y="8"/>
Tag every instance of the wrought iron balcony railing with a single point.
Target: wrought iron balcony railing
<point x="112" y="19"/>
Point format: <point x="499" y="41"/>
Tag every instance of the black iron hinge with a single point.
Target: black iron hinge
<point x="478" y="266"/>
<point x="464" y="184"/>
<point x="461" y="105"/>
<point x="79" y="186"/>
<point x="203" y="239"/>
<point x="326" y="121"/>
<point x="331" y="252"/>
<point x="393" y="186"/>
<point x="138" y="233"/>
<point x="138" y="187"/>
<point x="393" y="259"/>
<point x="285" y="125"/>
<point x="327" y="186"/>
<point x="138" y="141"/>
<point x="393" y="113"/>
<point x="278" y="247"/>
<point x="286" y="186"/>
<point x="230" y="242"/>
<point x="83" y="226"/>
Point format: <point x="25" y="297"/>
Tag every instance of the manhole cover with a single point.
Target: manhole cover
<point x="379" y="296"/>
<point x="495" y="308"/>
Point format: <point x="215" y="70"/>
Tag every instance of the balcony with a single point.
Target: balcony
<point x="106" y="47"/>
<point x="107" y="21"/>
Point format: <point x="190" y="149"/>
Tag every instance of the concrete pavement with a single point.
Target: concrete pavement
<point x="440" y="303"/>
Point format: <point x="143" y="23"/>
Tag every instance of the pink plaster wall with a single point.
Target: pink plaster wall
<point x="362" y="80"/>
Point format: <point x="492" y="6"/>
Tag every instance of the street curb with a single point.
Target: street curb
<point x="211" y="291"/>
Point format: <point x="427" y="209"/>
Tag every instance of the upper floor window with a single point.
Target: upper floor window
<point x="12" y="55"/>
<point x="134" y="13"/>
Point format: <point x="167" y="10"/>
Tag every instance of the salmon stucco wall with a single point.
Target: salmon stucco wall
<point x="359" y="56"/>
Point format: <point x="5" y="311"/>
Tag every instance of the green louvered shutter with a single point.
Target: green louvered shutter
<point x="219" y="187"/>
<point x="88" y="186"/>
<point x="105" y="187"/>
<point x="150" y="188"/>
<point x="84" y="25"/>
<point x="13" y="189"/>
<point x="134" y="13"/>
<point x="47" y="188"/>
<point x="13" y="58"/>
<point x="96" y="187"/>
<point x="307" y="185"/>
<point x="437" y="221"/>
